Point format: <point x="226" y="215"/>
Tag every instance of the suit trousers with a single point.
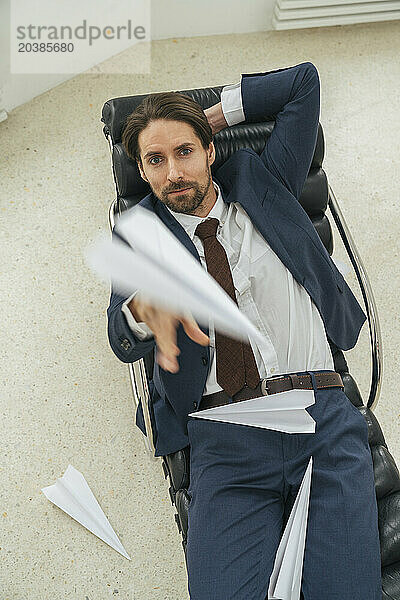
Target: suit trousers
<point x="243" y="482"/>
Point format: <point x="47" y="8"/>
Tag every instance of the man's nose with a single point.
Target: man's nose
<point x="174" y="171"/>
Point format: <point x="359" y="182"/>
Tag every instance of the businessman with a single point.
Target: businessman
<point x="246" y="226"/>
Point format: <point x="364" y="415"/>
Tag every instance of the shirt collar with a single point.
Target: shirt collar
<point x="190" y="222"/>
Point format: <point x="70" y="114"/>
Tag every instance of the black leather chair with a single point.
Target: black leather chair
<point x="316" y="197"/>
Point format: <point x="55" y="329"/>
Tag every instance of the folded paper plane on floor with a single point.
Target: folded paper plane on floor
<point x="166" y="273"/>
<point x="73" y="495"/>
<point x="285" y="580"/>
<point x="284" y="411"/>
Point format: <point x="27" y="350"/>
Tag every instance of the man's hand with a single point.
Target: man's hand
<point x="163" y="325"/>
<point x="216" y="118"/>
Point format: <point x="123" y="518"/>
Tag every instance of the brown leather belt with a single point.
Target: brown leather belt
<point x="274" y="385"/>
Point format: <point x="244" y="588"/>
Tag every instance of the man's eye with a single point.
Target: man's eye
<point x="158" y="157"/>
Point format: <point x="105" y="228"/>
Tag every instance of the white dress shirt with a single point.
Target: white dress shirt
<point x="282" y="310"/>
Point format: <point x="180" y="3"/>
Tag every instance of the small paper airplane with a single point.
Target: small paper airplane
<point x="73" y="495"/>
<point x="283" y="411"/>
<point x="166" y="273"/>
<point x="285" y="580"/>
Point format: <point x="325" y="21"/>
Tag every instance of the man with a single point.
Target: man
<point x="246" y="226"/>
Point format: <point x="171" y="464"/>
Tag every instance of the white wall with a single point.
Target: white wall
<point x="169" y="18"/>
<point x="191" y="18"/>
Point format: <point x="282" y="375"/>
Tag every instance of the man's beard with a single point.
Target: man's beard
<point x="185" y="203"/>
<point x="189" y="201"/>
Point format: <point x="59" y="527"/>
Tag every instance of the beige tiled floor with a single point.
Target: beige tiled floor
<point x="65" y="397"/>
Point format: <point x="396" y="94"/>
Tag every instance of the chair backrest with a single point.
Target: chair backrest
<point x="131" y="188"/>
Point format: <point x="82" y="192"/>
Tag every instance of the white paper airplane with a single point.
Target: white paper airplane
<point x="283" y="411"/>
<point x="73" y="495"/>
<point x="285" y="580"/>
<point x="165" y="273"/>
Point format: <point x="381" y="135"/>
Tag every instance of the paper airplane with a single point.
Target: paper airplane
<point x="284" y="411"/>
<point x="285" y="580"/>
<point x="73" y="495"/>
<point x="166" y="274"/>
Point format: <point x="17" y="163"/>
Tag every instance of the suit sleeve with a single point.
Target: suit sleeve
<point x="124" y="343"/>
<point x="290" y="97"/>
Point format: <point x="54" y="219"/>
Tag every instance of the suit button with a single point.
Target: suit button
<point x="125" y="344"/>
<point x="194" y="404"/>
<point x="204" y="360"/>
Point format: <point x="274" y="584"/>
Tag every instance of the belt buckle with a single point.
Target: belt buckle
<point x="292" y="376"/>
<point x="264" y="383"/>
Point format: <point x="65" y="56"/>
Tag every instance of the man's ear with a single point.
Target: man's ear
<point x="211" y="153"/>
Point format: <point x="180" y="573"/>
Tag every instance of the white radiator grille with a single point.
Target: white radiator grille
<point x="296" y="14"/>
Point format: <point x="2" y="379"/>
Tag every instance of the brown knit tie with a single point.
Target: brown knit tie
<point x="236" y="365"/>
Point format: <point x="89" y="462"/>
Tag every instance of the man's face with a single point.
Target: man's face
<point x="173" y="159"/>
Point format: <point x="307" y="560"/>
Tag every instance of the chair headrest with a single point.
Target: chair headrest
<point x="131" y="188"/>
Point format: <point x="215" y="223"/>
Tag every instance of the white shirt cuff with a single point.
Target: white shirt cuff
<point x="140" y="330"/>
<point x="231" y="102"/>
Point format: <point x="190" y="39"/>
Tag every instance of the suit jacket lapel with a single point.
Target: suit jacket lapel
<point x="258" y="208"/>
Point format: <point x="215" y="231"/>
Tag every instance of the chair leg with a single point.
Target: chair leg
<point x="176" y="468"/>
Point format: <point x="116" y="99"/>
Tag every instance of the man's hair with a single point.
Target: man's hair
<point x="172" y="106"/>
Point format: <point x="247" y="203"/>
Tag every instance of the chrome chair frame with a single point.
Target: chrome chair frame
<point x="137" y="372"/>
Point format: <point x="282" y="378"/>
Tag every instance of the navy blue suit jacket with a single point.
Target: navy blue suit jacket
<point x="268" y="187"/>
